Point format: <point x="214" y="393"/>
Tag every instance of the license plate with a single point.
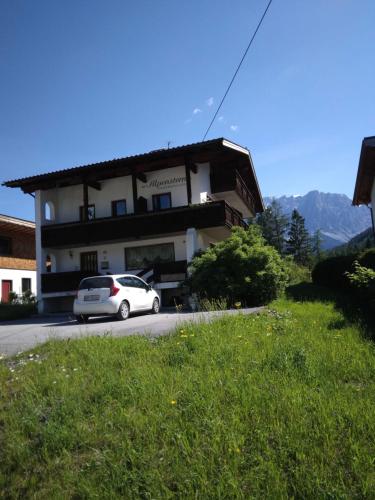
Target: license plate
<point x="91" y="298"/>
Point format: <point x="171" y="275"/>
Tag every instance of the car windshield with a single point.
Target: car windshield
<point x="96" y="283"/>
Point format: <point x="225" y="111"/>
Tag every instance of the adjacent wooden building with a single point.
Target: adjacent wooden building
<point x="17" y="257"/>
<point x="364" y="192"/>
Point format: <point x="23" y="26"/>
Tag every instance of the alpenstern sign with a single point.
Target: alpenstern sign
<point x="164" y="183"/>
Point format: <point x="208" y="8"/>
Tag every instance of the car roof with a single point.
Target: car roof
<point x="112" y="276"/>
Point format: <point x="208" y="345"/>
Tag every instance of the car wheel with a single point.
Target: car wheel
<point x="155" y="306"/>
<point x="82" y="318"/>
<point x="123" y="311"/>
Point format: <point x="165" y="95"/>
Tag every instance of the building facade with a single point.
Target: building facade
<point x="146" y="215"/>
<point x="17" y="257"/>
<point x="364" y="192"/>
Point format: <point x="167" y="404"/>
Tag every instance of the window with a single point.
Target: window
<point x="126" y="281"/>
<point x="90" y="212"/>
<point x="5" y="246"/>
<point x="143" y="257"/>
<point x="161" y="201"/>
<point x="96" y="283"/>
<point x="140" y="283"/>
<point x="26" y="285"/>
<point x="89" y="262"/>
<point x="118" y="208"/>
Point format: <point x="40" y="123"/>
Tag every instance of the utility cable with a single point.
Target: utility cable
<point x="238" y="68"/>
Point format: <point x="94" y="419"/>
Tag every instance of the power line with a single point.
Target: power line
<point x="238" y="68"/>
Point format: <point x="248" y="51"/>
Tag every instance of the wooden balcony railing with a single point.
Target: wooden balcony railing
<point x="128" y="227"/>
<point x="225" y="180"/>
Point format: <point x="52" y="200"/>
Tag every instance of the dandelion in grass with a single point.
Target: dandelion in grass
<point x="184" y="336"/>
<point x="173" y="402"/>
<point x="237" y="450"/>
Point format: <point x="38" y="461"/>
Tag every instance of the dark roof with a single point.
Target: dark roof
<point x="136" y="164"/>
<point x="366" y="172"/>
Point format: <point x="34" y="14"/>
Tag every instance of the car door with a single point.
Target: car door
<point x="144" y="296"/>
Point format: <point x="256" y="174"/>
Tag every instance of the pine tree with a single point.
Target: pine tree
<point x="274" y="224"/>
<point x="317" y="244"/>
<point x="299" y="241"/>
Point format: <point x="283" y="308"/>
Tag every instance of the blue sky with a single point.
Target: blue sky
<point x="85" y="80"/>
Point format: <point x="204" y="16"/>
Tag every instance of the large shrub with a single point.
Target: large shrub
<point x="367" y="258"/>
<point x="331" y="272"/>
<point x="296" y="273"/>
<point x="241" y="268"/>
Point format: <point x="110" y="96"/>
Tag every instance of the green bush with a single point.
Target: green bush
<point x="331" y="272"/>
<point x="295" y="272"/>
<point x="367" y="258"/>
<point x="363" y="280"/>
<point x="241" y="268"/>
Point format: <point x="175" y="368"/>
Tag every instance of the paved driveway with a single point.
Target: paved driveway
<point x="16" y="336"/>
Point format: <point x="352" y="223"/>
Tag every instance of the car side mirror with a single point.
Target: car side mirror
<point x="149" y="287"/>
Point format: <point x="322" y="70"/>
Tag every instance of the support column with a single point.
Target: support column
<point x="85" y="201"/>
<point x="135" y="194"/>
<point x="191" y="243"/>
<point x="40" y="253"/>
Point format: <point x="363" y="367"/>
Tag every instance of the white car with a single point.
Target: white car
<point x="119" y="294"/>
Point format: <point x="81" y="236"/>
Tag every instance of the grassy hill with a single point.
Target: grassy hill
<point x="277" y="405"/>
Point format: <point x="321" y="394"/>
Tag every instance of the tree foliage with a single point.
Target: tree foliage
<point x="274" y="224"/>
<point x="241" y="268"/>
<point x="299" y="242"/>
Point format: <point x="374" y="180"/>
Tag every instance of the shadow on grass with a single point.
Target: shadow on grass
<point x="354" y="310"/>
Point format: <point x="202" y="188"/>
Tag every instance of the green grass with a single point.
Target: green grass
<point x="277" y="405"/>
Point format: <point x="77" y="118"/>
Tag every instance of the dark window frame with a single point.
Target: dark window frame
<point x="8" y="243"/>
<point x="114" y="207"/>
<point x="81" y="208"/>
<point x="156" y="201"/>
<point x="170" y="243"/>
<point x="24" y="288"/>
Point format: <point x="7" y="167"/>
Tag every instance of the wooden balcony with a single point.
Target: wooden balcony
<point x="129" y="227"/>
<point x="229" y="185"/>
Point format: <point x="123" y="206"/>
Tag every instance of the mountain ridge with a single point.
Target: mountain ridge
<point x="333" y="213"/>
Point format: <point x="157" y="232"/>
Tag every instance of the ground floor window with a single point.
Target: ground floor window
<point x="143" y="257"/>
<point x="26" y="285"/>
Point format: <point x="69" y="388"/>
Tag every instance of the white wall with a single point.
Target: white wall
<point x="169" y="180"/>
<point x="114" y="253"/>
<point x="67" y="200"/>
<point x="16" y="276"/>
<point x="200" y="182"/>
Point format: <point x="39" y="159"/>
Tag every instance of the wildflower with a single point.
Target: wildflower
<point x="64" y="369"/>
<point x="182" y="331"/>
<point x="192" y="335"/>
<point x="54" y="382"/>
<point x="237" y="450"/>
<point x="31" y="355"/>
<point x="184" y="336"/>
<point x="75" y="369"/>
<point x="239" y="336"/>
<point x="173" y="402"/>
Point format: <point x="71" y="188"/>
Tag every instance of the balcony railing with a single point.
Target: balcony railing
<point x="132" y="226"/>
<point x="230" y="180"/>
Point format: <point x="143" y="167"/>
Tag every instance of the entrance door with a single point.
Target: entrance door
<point x="89" y="262"/>
<point x="6" y="287"/>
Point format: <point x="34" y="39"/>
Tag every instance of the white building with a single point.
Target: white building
<point x="17" y="257"/>
<point x="146" y="214"/>
<point x="364" y="192"/>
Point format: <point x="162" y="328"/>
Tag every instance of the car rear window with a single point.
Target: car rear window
<point x="96" y="283"/>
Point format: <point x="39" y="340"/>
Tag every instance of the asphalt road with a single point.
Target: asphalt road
<point x="22" y="335"/>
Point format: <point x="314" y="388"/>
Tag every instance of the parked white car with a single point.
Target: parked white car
<point x="119" y="294"/>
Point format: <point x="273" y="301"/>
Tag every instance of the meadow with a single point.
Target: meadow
<point x="274" y="405"/>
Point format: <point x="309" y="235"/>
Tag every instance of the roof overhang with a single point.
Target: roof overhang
<point x="366" y="173"/>
<point x="212" y="151"/>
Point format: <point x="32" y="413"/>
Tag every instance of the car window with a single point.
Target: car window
<point x="126" y="281"/>
<point x="139" y="283"/>
<point x="95" y="283"/>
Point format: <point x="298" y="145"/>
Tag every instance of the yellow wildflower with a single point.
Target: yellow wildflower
<point x="173" y="402"/>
